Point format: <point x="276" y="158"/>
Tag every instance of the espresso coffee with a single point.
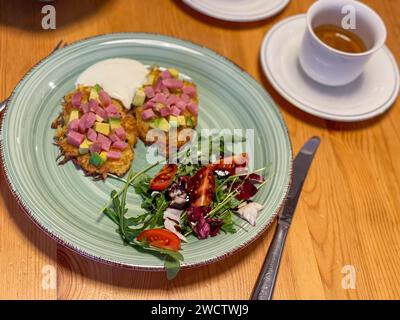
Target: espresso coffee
<point x="340" y="39"/>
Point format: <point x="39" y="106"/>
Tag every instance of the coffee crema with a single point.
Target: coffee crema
<point x="340" y="39"/>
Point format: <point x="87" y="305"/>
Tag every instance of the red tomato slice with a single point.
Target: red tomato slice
<point x="161" y="238"/>
<point x="202" y="187"/>
<point x="231" y="163"/>
<point x="164" y="178"/>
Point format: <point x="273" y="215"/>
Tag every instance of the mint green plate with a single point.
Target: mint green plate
<point x="66" y="204"/>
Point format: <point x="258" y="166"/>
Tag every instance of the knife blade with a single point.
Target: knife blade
<point x="301" y="165"/>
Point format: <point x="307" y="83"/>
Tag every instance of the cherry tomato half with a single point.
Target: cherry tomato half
<point x="164" y="178"/>
<point x="161" y="238"/>
<point x="202" y="187"/>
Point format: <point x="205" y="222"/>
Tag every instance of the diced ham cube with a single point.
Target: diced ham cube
<point x="185" y="97"/>
<point x="172" y="100"/>
<point x="159" y="86"/>
<point x="92" y="135"/>
<point x="193" y="108"/>
<point x="114" y="138"/>
<point x="104" y="98"/>
<point x="160" y="98"/>
<point x="120" y="132"/>
<point x="89" y="119"/>
<point x="150" y="104"/>
<point x="114" y="155"/>
<point x="76" y="99"/>
<point x="93" y="105"/>
<point x="172" y="83"/>
<point x="75" y="138"/>
<point x="148" y="114"/>
<point x="181" y="105"/>
<point x="120" y="145"/>
<point x="95" y="148"/>
<point x="165" y="112"/>
<point x="190" y="91"/>
<point x="175" y="111"/>
<point x="112" y="111"/>
<point x="85" y="108"/>
<point x="74" y="125"/>
<point x="101" y="113"/>
<point x="149" y="91"/>
<point x="166" y="75"/>
<point x="82" y="125"/>
<point x="104" y="141"/>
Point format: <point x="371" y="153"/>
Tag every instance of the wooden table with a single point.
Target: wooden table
<point x="348" y="213"/>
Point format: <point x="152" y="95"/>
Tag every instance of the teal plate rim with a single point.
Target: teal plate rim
<point x="59" y="239"/>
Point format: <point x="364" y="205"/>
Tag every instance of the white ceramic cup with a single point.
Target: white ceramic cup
<point x="332" y="67"/>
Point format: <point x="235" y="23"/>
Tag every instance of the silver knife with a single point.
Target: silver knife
<point x="266" y="281"/>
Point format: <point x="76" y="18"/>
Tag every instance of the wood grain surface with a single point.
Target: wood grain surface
<point x="348" y="213"/>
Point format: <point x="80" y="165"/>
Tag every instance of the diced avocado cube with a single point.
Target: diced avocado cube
<point x="103" y="128"/>
<point x="94" y="94"/>
<point x="163" y="124"/>
<point x="174" y="73"/>
<point x="84" y="147"/>
<point x="139" y="98"/>
<point x="97" y="87"/>
<point x="149" y="80"/>
<point x="182" y="120"/>
<point x="103" y="156"/>
<point x="115" y="123"/>
<point x="74" y="115"/>
<point x="154" y="123"/>
<point x="96" y="160"/>
<point x="189" y="121"/>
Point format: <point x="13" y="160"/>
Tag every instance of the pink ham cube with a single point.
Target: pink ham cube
<point x="150" y="104"/>
<point x="101" y="113"/>
<point x="175" y="111"/>
<point x="105" y="99"/>
<point x="190" y="91"/>
<point x="185" y="97"/>
<point x="89" y="120"/>
<point x="114" y="155"/>
<point x="76" y="99"/>
<point x="181" y="105"/>
<point x="120" y="132"/>
<point x="160" y="98"/>
<point x="148" y="114"/>
<point x="172" y="100"/>
<point x="166" y="75"/>
<point x="75" y="138"/>
<point x="149" y="91"/>
<point x="114" y="138"/>
<point x="120" y="145"/>
<point x="82" y="126"/>
<point x="104" y="141"/>
<point x="112" y="111"/>
<point x="172" y="83"/>
<point x="92" y="135"/>
<point x="95" y="147"/>
<point x="165" y="112"/>
<point x="193" y="108"/>
<point x="74" y="125"/>
<point x="85" y="108"/>
<point x="93" y="105"/>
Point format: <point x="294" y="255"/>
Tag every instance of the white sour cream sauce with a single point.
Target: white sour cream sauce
<point x="119" y="77"/>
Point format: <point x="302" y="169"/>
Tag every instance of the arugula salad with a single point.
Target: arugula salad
<point x="186" y="199"/>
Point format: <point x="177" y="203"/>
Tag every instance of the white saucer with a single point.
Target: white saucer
<point x="368" y="96"/>
<point x="238" y="10"/>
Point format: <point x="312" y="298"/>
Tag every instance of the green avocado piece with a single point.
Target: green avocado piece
<point x="96" y="160"/>
<point x="115" y="123"/>
<point x="139" y="98"/>
<point x="160" y="123"/>
<point x="190" y="121"/>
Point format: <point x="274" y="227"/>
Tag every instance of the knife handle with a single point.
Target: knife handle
<point x="266" y="281"/>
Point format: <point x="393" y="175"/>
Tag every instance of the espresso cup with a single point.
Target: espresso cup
<point x="328" y="65"/>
